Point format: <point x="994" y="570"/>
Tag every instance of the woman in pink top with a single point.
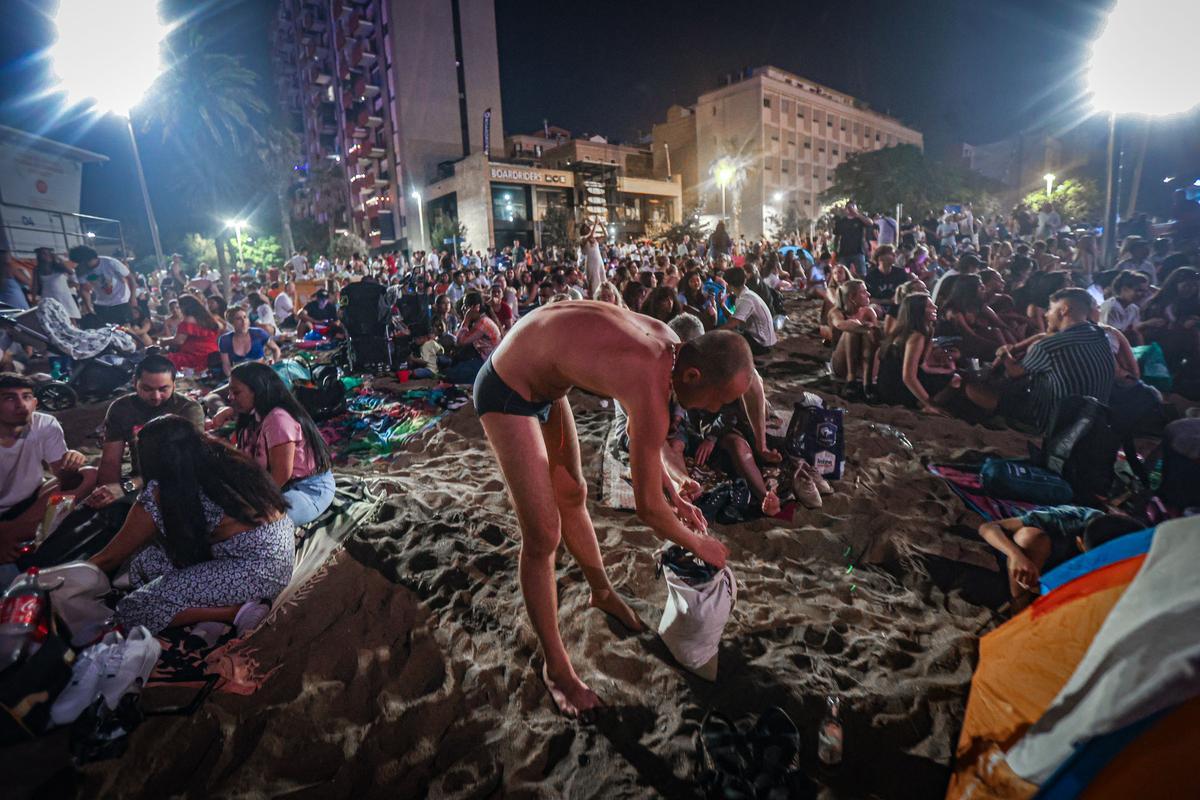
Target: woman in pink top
<point x="477" y="337"/>
<point x="275" y="430"/>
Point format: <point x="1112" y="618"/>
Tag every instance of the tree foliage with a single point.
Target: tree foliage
<point x="262" y="251"/>
<point x="689" y="226"/>
<point x="790" y="223"/>
<point x="1075" y="199"/>
<point x="556" y="228"/>
<point x="878" y="180"/>
<point x="343" y="246"/>
<point x="443" y="227"/>
<point x="196" y="248"/>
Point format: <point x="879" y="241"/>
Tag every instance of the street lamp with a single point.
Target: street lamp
<point x="113" y="77"/>
<point x="724" y="172"/>
<point x="420" y="217"/>
<point x="1120" y="85"/>
<point x="778" y="197"/>
<point x="1049" y="179"/>
<point x="237" y="226"/>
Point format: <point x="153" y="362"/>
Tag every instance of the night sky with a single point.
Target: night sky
<point x="957" y="71"/>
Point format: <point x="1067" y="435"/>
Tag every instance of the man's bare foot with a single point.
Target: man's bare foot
<point x="770" y="504"/>
<point x="611" y="603"/>
<point x="572" y="696"/>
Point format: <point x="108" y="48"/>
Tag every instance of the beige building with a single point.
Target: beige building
<point x="782" y="134"/>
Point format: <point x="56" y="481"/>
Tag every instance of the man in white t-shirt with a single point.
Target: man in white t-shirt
<point x="751" y="316"/>
<point x="284" y="305"/>
<point x="29" y="442"/>
<point x="107" y="285"/>
<point x="298" y="264"/>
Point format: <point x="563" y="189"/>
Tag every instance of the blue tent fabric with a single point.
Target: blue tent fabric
<point x="1119" y="549"/>
<point x="1077" y="772"/>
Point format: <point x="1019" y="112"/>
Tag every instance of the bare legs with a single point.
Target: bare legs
<point x="541" y="467"/>
<point x="743" y="461"/>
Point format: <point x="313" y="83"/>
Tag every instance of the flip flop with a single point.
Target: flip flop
<point x="722" y="754"/>
<point x="774" y="745"/>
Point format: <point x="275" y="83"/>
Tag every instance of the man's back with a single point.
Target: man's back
<point x="1075" y="361"/>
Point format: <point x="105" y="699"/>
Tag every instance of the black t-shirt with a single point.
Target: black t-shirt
<point x="321" y="313"/>
<point x="883" y="286"/>
<point x="850" y="233"/>
<point x="127" y="414"/>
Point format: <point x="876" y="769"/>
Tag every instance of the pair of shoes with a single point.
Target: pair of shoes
<point x="817" y="478"/>
<point x="84" y="687"/>
<point x="760" y="763"/>
<point x="804" y="487"/>
<point x="109" y="669"/>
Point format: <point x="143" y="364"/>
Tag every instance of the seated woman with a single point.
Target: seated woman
<point x="1172" y="318"/>
<point x="245" y="343"/>
<point x="261" y="313"/>
<point x="207" y="539"/>
<point x="478" y="336"/>
<point x="195" y="338"/>
<point x="910" y="374"/>
<point x="965" y="314"/>
<point x="275" y="430"/>
<point x="1036" y="293"/>
<point x="914" y="286"/>
<point x="662" y="304"/>
<point x="139" y="326"/>
<point x="856" y="335"/>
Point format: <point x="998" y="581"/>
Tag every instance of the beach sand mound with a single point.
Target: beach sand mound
<point x="411" y="669"/>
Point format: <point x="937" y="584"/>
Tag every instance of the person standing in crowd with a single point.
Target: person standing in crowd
<point x="275" y="430"/>
<point x="852" y="231"/>
<point x="12" y="289"/>
<point x="55" y="280"/>
<point x="109" y="288"/>
<point x="31" y="442"/>
<point x="298" y="264"/>
<point x="719" y="243"/>
<point x="153" y="396"/>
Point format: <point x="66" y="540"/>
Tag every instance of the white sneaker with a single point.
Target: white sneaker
<point x="817" y="478"/>
<point x="84" y="687"/>
<point x="805" y="489"/>
<point x="250" y="616"/>
<point x="130" y="668"/>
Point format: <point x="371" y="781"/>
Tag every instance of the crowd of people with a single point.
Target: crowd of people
<point x="987" y="319"/>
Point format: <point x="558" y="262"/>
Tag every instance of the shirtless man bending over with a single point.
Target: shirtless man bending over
<point x="520" y="396"/>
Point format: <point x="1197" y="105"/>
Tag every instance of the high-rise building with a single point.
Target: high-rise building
<point x="780" y="137"/>
<point x="385" y="92"/>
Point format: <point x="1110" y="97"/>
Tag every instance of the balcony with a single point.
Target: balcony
<point x="342" y="10"/>
<point x="374" y="121"/>
<point x="360" y="26"/>
<point x="377" y="152"/>
<point x="359" y="180"/>
<point x="381" y="181"/>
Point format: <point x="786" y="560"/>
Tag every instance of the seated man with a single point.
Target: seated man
<point x="321" y="310"/>
<point x="1045" y="537"/>
<point x="153" y="396"/>
<point x="751" y="316"/>
<point x="30" y="441"/>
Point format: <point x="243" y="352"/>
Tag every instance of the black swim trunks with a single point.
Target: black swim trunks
<point x="492" y="394"/>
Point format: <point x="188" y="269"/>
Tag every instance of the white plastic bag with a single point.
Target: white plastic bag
<point x="694" y="619"/>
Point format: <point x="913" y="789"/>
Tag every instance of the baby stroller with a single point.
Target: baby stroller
<point x="100" y="361"/>
<point x="366" y="318"/>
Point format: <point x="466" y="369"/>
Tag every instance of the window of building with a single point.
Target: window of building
<point x="836" y="151"/>
<point x="807" y="143"/>
<point x="784" y="168"/>
<point x="800" y="112"/>
<point x="829" y="122"/>
<point x="766" y="102"/>
<point x="508" y="203"/>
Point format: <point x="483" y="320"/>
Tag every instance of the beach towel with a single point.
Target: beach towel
<point x="966" y="482"/>
<point x="231" y="666"/>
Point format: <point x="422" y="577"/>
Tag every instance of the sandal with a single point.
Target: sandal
<point x="722" y="755"/>
<point x="774" y="744"/>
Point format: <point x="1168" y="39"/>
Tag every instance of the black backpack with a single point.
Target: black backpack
<point x="1082" y="447"/>
<point x="324" y="396"/>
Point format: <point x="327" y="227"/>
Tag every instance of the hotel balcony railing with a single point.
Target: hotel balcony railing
<point x="359" y="180"/>
<point x="374" y="121"/>
<point x="360" y="26"/>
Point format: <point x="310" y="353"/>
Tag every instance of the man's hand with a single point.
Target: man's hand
<point x="704" y="452"/>
<point x="691" y="516"/>
<point x="104" y="495"/>
<point x="769" y="455"/>
<point x="1024" y="572"/>
<point x="71" y="461"/>
<point x="710" y="551"/>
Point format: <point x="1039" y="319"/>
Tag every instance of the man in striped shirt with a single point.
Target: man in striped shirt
<point x="1074" y="359"/>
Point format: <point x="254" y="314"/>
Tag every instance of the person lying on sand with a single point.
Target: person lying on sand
<point x="1046" y="537"/>
<point x="520" y="395"/>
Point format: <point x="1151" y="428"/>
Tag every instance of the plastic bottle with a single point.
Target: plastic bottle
<point x="829" y="736"/>
<point x="24" y="619"/>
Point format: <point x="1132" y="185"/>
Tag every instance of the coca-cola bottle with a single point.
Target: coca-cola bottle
<point x="24" y="619"/>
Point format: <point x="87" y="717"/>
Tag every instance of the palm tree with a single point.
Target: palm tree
<point x="207" y="108"/>
<point x="278" y="153"/>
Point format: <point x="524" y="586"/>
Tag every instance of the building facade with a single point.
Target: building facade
<point x="782" y="137"/>
<point x="385" y="93"/>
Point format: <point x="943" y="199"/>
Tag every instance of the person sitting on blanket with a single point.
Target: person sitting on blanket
<point x="1045" y="537"/>
<point x="208" y="539"/>
<point x="275" y="430"/>
<point x="30" y="441"/>
<point x="698" y="433"/>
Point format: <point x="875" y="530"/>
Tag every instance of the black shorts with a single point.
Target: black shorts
<point x="492" y="394"/>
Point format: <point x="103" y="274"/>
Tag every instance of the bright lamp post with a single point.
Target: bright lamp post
<point x="108" y="54"/>
<point x="724" y="172"/>
<point x="1049" y="179"/>
<point x="1153" y="84"/>
<point x="420" y="217"/>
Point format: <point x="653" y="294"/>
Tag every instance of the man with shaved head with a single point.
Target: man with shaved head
<point x="520" y="395"/>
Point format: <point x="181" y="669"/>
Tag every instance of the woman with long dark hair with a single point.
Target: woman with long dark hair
<point x="661" y="304"/>
<point x="906" y="374"/>
<point x="275" y="430"/>
<point x="207" y="539"/>
<point x="477" y="337"/>
<point x="53" y="278"/>
<point x="965" y="313"/>
<point x="195" y="338"/>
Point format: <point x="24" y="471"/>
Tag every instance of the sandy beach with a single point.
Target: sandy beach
<point x="409" y="668"/>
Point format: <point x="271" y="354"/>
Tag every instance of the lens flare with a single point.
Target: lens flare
<point x="108" y="52"/>
<point x="1142" y="63"/>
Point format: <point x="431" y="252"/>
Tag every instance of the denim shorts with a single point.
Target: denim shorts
<point x="308" y="498"/>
